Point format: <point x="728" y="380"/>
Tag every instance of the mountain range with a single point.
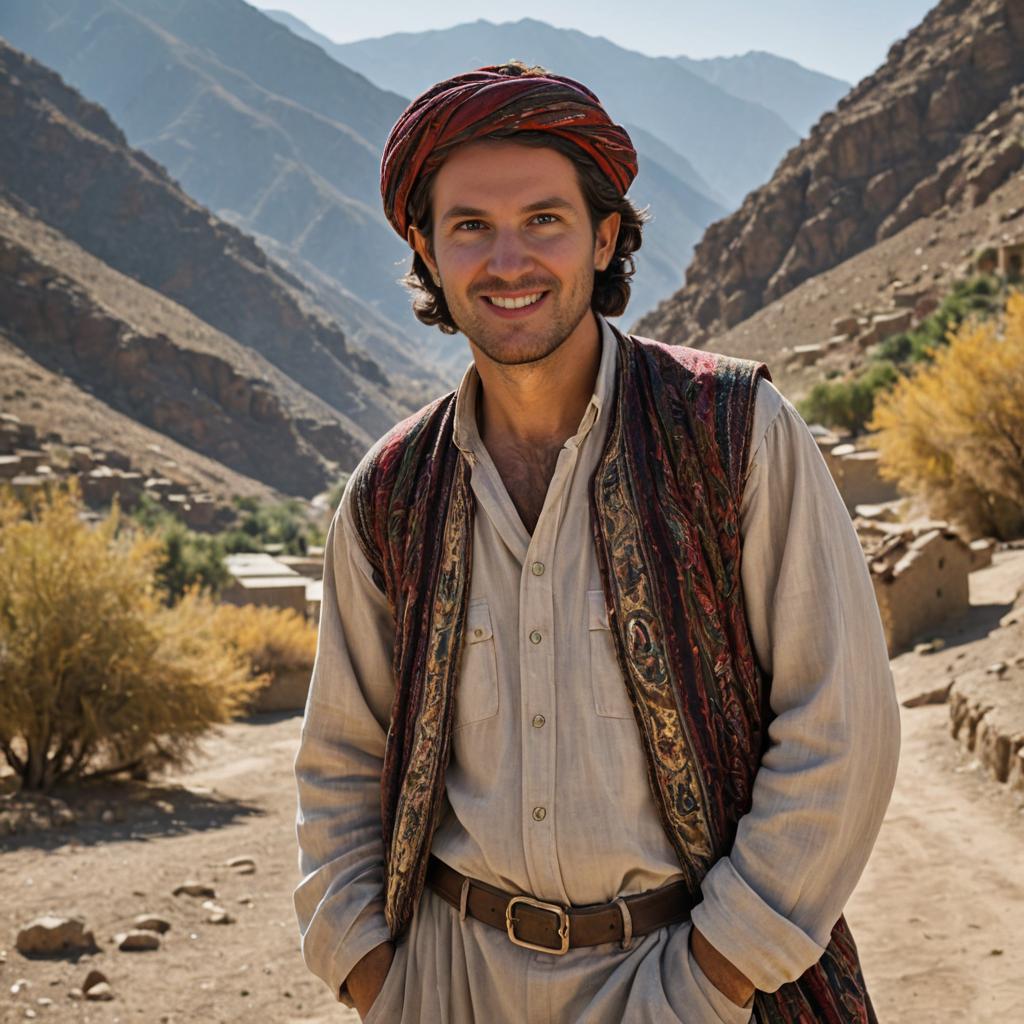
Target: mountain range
<point x="118" y="284"/>
<point x="282" y="137"/>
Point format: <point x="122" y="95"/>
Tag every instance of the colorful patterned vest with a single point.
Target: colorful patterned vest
<point x="665" y="505"/>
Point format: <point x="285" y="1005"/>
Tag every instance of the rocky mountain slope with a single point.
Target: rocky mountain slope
<point x="865" y="172"/>
<point x="111" y="277"/>
<point x="261" y="127"/>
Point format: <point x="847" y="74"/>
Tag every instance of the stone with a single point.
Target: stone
<point x="937" y="695"/>
<point x="193" y="888"/>
<point x="20" y="985"/>
<point x="220" y="917"/>
<point x="94" y="977"/>
<point x="887" y="324"/>
<point x="930" y="646"/>
<point x="137" y="940"/>
<point x="844" y="325"/>
<point x="53" y="936"/>
<point x="151" y="923"/>
<point x="241" y="861"/>
<point x="101" y="992"/>
<point x="807" y="355"/>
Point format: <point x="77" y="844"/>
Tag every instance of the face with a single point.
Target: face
<point x="515" y="248"/>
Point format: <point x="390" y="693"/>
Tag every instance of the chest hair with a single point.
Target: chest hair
<point x="526" y="473"/>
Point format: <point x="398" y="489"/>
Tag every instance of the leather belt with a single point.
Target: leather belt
<point x="553" y="928"/>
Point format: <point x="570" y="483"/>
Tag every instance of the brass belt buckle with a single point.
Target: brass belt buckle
<point x="551" y="908"/>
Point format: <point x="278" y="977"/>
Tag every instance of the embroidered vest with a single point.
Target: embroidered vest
<point x="664" y="510"/>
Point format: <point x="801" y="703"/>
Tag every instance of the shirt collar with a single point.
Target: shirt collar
<point x="466" y="432"/>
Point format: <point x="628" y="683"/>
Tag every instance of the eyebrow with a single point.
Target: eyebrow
<point x="550" y="203"/>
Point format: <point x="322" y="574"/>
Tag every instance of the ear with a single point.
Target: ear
<point x="605" y="236"/>
<point x="420" y="244"/>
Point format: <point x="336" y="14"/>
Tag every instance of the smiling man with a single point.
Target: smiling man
<point x="601" y="726"/>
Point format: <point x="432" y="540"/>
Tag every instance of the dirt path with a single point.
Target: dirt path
<point x="944" y="890"/>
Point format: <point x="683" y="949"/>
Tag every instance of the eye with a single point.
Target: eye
<point x="468" y="225"/>
<point x="552" y="219"/>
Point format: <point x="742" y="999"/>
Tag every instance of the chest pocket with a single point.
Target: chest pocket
<point x="476" y="697"/>
<point x="610" y="697"/>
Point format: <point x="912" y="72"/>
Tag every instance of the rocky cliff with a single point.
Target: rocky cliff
<point x="866" y="171"/>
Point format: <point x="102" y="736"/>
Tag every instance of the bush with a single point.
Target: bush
<point x="96" y="674"/>
<point x="269" y="639"/>
<point x="260" y="525"/>
<point x="189" y="559"/>
<point x="978" y="297"/>
<point x="848" y="403"/>
<point x="953" y="432"/>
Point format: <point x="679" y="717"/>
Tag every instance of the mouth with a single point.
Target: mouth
<point x="515" y="305"/>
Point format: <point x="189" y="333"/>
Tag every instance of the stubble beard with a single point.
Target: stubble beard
<point x="518" y="344"/>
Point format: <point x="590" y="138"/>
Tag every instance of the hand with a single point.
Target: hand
<point x="366" y="979"/>
<point x="729" y="980"/>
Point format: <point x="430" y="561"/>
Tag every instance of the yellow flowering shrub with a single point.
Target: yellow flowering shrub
<point x="97" y="675"/>
<point x="952" y="433"/>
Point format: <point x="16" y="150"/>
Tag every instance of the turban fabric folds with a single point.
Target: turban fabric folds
<point x="495" y="101"/>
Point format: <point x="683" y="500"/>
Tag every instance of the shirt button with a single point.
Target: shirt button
<point x="535" y="637"/>
<point x="537" y="568"/>
<point x="478" y="631"/>
<point x="538" y="721"/>
<point x="539" y="813"/>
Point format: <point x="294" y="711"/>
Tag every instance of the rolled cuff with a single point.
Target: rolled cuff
<point x="767" y="947"/>
<point x="332" y="958"/>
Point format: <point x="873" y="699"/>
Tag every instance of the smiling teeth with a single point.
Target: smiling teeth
<point x="526" y="300"/>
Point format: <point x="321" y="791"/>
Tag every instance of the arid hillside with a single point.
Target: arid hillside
<point x="115" y="280"/>
<point x="877" y="164"/>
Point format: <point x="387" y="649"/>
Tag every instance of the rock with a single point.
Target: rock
<point x="846" y="325"/>
<point x="240" y="862"/>
<point x="44" y="1001"/>
<point x="137" y="941"/>
<point x="193" y="888"/>
<point x="930" y="646"/>
<point x="100" y="992"/>
<point x="107" y="817"/>
<point x="221" y="917"/>
<point x="998" y="669"/>
<point x="888" y="324"/>
<point x="75" y="993"/>
<point x="806" y="355"/>
<point x="20" y="985"/>
<point x="53" y="936"/>
<point x="151" y="923"/>
<point x="937" y="695"/>
<point x="94" y="977"/>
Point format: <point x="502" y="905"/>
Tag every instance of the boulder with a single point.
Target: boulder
<point x="137" y="940"/>
<point x="55" y="936"/>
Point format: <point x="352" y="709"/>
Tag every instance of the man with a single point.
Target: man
<point x="601" y="725"/>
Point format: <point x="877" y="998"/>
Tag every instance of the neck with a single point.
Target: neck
<point x="540" y="403"/>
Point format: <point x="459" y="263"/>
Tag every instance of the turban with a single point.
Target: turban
<point x="489" y="102"/>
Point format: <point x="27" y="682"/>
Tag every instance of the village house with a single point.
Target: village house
<point x="258" y="578"/>
<point x="919" y="572"/>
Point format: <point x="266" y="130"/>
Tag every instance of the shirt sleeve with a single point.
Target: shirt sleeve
<point x="339" y="900"/>
<point x="826" y="778"/>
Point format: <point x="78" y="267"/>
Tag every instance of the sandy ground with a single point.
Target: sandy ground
<point x="938" y="916"/>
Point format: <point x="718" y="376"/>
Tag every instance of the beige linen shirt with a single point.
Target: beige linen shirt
<point x="547" y="789"/>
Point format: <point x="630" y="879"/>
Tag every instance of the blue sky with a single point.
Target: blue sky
<point x="848" y="40"/>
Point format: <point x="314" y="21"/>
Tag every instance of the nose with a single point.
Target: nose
<point x="509" y="257"/>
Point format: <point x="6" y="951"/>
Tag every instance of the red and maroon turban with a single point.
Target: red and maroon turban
<point x="497" y="101"/>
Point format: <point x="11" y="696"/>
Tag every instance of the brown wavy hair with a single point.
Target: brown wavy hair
<point x="611" y="285"/>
